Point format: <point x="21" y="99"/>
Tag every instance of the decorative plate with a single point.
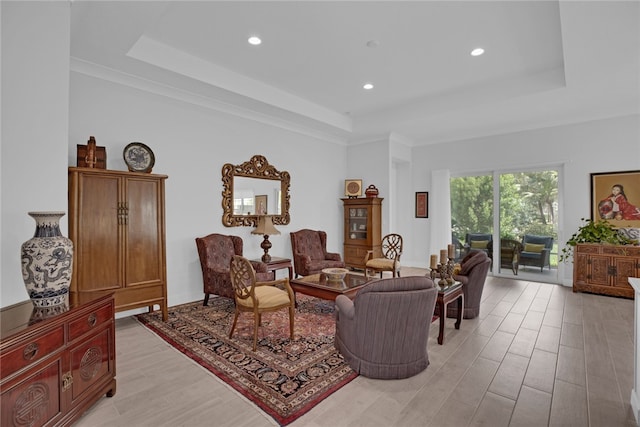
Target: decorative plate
<point x="138" y="157"/>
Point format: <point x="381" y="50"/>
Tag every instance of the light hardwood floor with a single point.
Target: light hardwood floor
<point x="537" y="355"/>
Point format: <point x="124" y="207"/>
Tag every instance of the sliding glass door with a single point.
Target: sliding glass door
<point x="513" y="216"/>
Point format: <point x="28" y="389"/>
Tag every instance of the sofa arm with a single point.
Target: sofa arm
<point x="345" y="307"/>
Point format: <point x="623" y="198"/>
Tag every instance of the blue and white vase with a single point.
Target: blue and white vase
<point x="47" y="261"/>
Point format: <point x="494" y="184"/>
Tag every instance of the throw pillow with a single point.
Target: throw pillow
<point x="479" y="244"/>
<point x="532" y="247"/>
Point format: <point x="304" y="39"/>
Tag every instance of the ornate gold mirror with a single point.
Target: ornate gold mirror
<point x="252" y="189"/>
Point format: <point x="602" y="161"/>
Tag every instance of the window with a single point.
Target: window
<point x="525" y="203"/>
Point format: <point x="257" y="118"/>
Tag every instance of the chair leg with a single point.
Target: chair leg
<point x="256" y="321"/>
<point x="206" y="300"/>
<point x="233" y="326"/>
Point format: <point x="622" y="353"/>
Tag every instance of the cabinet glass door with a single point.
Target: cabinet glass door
<point x="358" y="223"/>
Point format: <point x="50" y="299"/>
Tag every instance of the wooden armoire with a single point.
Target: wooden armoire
<point x="117" y="225"/>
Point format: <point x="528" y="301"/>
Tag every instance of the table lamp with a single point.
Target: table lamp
<point x="266" y="228"/>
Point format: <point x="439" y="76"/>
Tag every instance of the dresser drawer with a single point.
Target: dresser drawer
<point x="32" y="351"/>
<point x="91" y="320"/>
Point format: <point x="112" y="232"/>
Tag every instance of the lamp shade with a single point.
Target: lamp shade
<point x="265" y="226"/>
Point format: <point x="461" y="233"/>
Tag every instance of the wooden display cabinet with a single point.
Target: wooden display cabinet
<point x="117" y="225"/>
<point x="56" y="362"/>
<point x="362" y="229"/>
<point x="605" y="269"/>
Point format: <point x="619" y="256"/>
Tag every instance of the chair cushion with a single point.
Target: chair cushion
<point x="479" y="244"/>
<point x="268" y="296"/>
<point x="532" y="247"/>
<point x="381" y="264"/>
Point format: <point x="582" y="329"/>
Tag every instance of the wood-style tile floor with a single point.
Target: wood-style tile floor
<point x="537" y="355"/>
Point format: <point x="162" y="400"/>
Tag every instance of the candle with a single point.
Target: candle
<point x="443" y="256"/>
<point x="452" y="251"/>
<point x="434" y="262"/>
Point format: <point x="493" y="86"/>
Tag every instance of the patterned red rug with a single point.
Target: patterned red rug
<point x="284" y="378"/>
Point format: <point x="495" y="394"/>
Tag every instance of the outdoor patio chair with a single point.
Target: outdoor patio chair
<point x="536" y="251"/>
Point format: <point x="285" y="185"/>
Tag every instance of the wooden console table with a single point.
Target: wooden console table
<point x="56" y="362"/>
<point x="605" y="269"/>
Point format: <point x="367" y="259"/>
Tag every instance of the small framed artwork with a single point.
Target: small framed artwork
<point x="422" y="204"/>
<point x="615" y="197"/>
<point x="261" y="204"/>
<point x="353" y="188"/>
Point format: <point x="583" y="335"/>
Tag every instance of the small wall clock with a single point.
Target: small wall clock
<point x="138" y="157"/>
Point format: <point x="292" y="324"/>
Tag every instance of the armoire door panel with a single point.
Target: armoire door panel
<point x="98" y="243"/>
<point x="143" y="236"/>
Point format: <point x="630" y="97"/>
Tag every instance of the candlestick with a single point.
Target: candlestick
<point x="443" y="256"/>
<point x="434" y="262"/>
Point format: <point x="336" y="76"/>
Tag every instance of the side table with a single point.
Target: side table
<point x="445" y="297"/>
<point x="277" y="264"/>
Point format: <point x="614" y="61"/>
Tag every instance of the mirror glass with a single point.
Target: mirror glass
<point x="256" y="196"/>
<point x="252" y="189"/>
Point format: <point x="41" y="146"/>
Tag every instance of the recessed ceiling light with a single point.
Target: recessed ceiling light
<point x="367" y="86"/>
<point x="477" y="51"/>
<point x="373" y="43"/>
<point x="254" y="40"/>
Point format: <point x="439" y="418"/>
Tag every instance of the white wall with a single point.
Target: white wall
<point x="191" y="144"/>
<point x="35" y="117"/>
<point x="598" y="146"/>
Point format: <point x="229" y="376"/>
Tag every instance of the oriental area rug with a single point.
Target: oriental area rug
<point x="284" y="378"/>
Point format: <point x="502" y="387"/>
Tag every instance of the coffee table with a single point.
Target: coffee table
<point x="318" y="286"/>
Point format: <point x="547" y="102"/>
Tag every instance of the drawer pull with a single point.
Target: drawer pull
<point x="30" y="351"/>
<point x="92" y="320"/>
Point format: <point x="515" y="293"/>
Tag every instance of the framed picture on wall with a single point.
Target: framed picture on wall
<point x="422" y="204"/>
<point x="615" y="197"/>
<point x="353" y="188"/>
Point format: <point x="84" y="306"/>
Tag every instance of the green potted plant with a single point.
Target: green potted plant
<point x="593" y="232"/>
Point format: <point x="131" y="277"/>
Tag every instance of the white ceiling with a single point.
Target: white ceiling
<point x="546" y="62"/>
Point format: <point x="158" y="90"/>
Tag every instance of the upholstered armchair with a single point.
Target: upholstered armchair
<point x="215" y="252"/>
<point x="310" y="254"/>
<point x="473" y="273"/>
<point x="383" y="332"/>
<point x="536" y="250"/>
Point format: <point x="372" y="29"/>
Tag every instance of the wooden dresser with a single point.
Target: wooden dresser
<point x="362" y="229"/>
<point x="117" y="225"/>
<point x="56" y="362"/>
<point x="605" y="269"/>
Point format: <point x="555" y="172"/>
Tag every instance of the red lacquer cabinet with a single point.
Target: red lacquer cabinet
<point x="56" y="362"/>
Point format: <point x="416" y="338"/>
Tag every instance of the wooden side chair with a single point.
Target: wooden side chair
<point x="391" y="247"/>
<point x="258" y="297"/>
